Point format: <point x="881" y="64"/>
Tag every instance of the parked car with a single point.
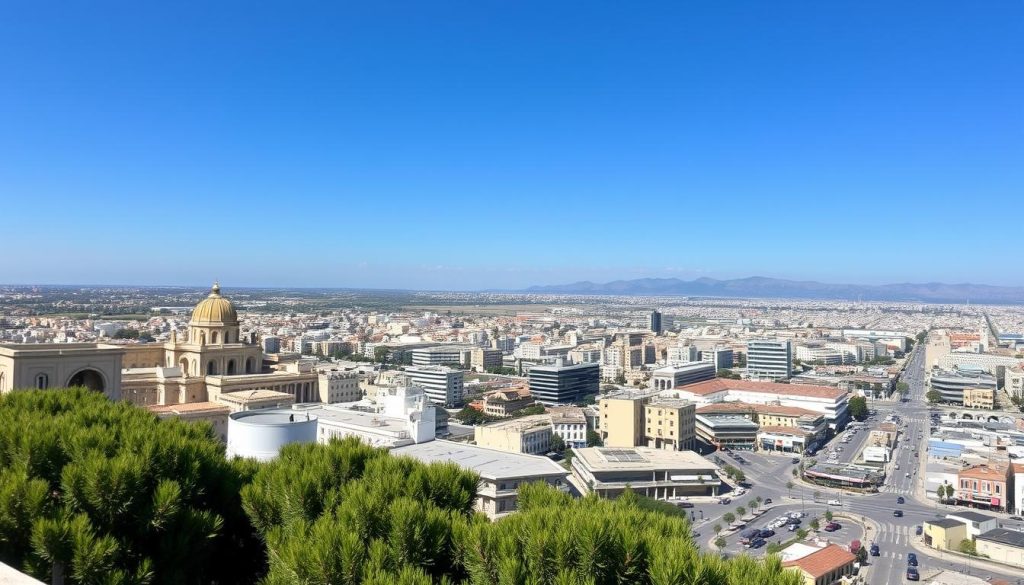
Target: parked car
<point x="757" y="543"/>
<point x="1017" y="518"/>
<point x="918" y="530"/>
<point x="767" y="500"/>
<point x="912" y="559"/>
<point x="900" y="500"/>
<point x="912" y="574"/>
<point x="685" y="504"/>
<point x="795" y="460"/>
<point x="767" y="533"/>
<point x="874" y="550"/>
<point x="897" y="513"/>
<point x="834" y="503"/>
<point x="831" y="527"/>
<point x="793" y="528"/>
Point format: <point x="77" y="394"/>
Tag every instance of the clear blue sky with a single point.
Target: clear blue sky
<point x="485" y="144"/>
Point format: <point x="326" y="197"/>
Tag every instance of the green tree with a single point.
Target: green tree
<point x="801" y="534"/>
<point x="789" y="487"/>
<point x="720" y="543"/>
<point x="471" y="416"/>
<point x="968" y="547"/>
<point x="593" y="439"/>
<point x="717" y="528"/>
<point x="858" y="407"/>
<point x="828" y="515"/>
<point x="729" y="517"/>
<point x="794" y="472"/>
<point x="126" y="334"/>
<point x="728" y="374"/>
<point x="741" y="511"/>
<point x="94" y="491"/>
<point x="933" y="396"/>
<point x="862" y="555"/>
<point x="739" y="476"/>
<point x="902" y="388"/>
<point x="814" y="524"/>
<point x="557" y="444"/>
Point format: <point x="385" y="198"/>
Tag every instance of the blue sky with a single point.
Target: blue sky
<point x="479" y="144"/>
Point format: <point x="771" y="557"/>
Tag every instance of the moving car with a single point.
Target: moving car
<point x="684" y="504"/>
<point x="912" y="559"/>
<point x="1017" y="518"/>
<point x="831" y="527"/>
<point x="834" y="503"/>
<point x="897" y="513"/>
<point x="874" y="550"/>
<point x="767" y="500"/>
<point x="918" y="530"/>
<point x="900" y="500"/>
<point x="912" y="574"/>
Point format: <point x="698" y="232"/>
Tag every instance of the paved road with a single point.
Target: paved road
<point x="770" y="473"/>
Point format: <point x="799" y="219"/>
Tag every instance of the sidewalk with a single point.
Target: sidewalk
<point x="1009" y="570"/>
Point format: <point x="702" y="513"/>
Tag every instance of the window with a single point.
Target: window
<point x="42" y="381"/>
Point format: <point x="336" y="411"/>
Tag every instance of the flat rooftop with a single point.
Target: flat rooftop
<point x="722" y="384"/>
<point x="623" y="459"/>
<point x="1004" y="536"/>
<point x="245" y="396"/>
<point x="189" y="408"/>
<point x="522" y="423"/>
<point x="488" y="463"/>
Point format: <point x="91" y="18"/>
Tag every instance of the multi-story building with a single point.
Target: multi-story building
<point x="483" y="359"/>
<point x="769" y="359"/>
<point x="683" y="354"/>
<point x="721" y="357"/>
<point x="780" y="428"/>
<point x="564" y="384"/>
<point x="732" y="431"/>
<point x="505" y="402"/>
<point x="988" y="485"/>
<point x="440" y="355"/>
<point x="621" y="417"/>
<point x="679" y="375"/>
<point x="980" y="398"/>
<point x="339" y="386"/>
<point x="831" y="402"/>
<point x="670" y="424"/>
<point x="654" y="322"/>
<point x="529" y="434"/>
<point x="271" y="344"/>
<point x="569" y="423"/>
<point x="655" y="473"/>
<point x="950" y="384"/>
<point x="442" y="384"/>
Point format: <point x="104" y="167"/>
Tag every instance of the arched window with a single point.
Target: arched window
<point x="231" y="367"/>
<point x="211" y="368"/>
<point x="202" y="338"/>
<point x="3" y="382"/>
<point x="42" y="381"/>
<point x="213" y="337"/>
<point x="227" y="337"/>
<point x="248" y="365"/>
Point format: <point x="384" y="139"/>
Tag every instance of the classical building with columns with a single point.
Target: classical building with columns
<point x="217" y="358"/>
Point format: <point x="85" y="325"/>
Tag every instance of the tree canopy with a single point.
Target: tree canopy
<point x="93" y="491"/>
<point x="858" y="406"/>
<point x="98" y="492"/>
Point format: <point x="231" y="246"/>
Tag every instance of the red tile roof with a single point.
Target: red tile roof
<point x="721" y="384"/>
<point x="820" y="562"/>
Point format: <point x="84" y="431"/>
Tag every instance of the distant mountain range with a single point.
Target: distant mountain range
<point x="761" y="287"/>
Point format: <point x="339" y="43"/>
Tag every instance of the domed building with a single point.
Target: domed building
<point x="215" y="345"/>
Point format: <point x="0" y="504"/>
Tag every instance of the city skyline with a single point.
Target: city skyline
<point x="470" y="147"/>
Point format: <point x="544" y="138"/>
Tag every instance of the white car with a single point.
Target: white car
<point x="834" y="503"/>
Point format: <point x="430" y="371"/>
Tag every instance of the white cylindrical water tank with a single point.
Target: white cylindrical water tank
<point x="260" y="434"/>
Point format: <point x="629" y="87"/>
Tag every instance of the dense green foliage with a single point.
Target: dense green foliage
<point x="99" y="492"/>
<point x="93" y="491"/>
<point x="858" y="406"/>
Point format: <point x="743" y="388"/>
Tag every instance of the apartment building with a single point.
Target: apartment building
<point x="988" y="485"/>
<point x="569" y="423"/>
<point x="678" y="375"/>
<point x="670" y="424"/>
<point x="483" y="359"/>
<point x="505" y="402"/>
<point x="339" y="386"/>
<point x="564" y="384"/>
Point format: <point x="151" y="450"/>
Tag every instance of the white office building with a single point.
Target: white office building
<point x="769" y="359"/>
<point x="442" y="384"/>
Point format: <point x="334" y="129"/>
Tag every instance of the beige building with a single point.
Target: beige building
<point x="621" y="417"/>
<point x="528" y="434"/>
<point x="335" y="386"/>
<point x="670" y="424"/>
<point x="980" y="398"/>
<point x="483" y="359"/>
<point x="1002" y="546"/>
<point x="944" y="533"/>
<point x="60" y="365"/>
<point x="209" y="412"/>
<point x="505" y="402"/>
<point x="255" y="400"/>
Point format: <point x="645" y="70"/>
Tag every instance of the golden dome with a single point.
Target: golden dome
<point x="214" y="310"/>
